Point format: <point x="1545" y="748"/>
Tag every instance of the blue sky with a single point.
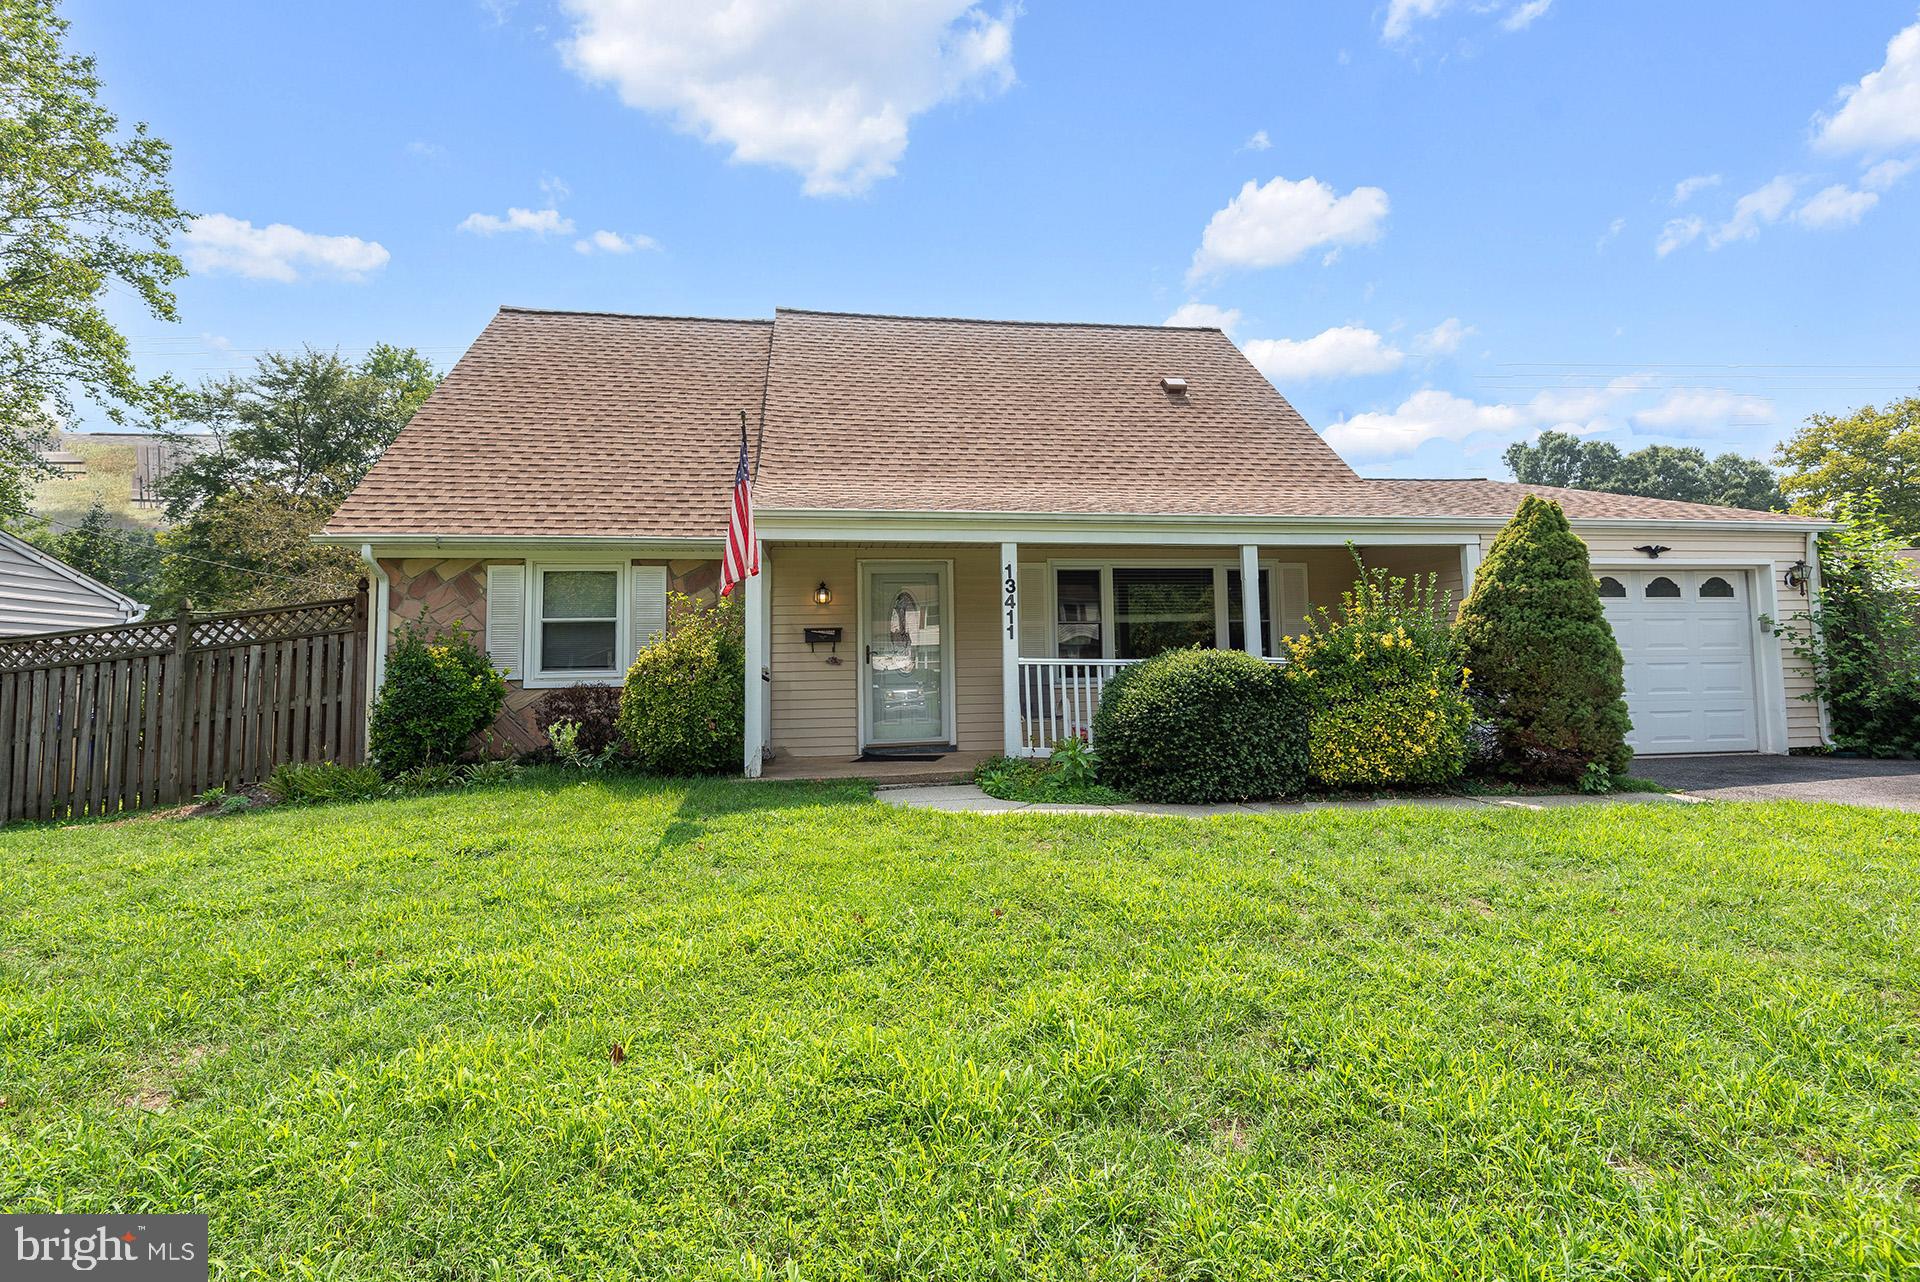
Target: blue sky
<point x="1439" y="225"/>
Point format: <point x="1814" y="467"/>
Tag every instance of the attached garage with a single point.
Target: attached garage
<point x="1688" y="638"/>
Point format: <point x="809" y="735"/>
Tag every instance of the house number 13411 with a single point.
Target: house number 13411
<point x="1013" y="588"/>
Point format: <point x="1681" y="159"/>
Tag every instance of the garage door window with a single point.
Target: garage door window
<point x="1663" y="587"/>
<point x="1612" y="587"/>
<point x="1717" y="587"/>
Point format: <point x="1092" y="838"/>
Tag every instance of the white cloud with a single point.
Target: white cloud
<point x="1882" y="112"/>
<point x="1225" y="319"/>
<point x="1614" y="228"/>
<point x="1763" y="205"/>
<point x="540" y="222"/>
<point x="1259" y="141"/>
<point x="1523" y="16"/>
<point x="1345" y="351"/>
<point x="1677" y="233"/>
<point x="1403" y="15"/>
<point x="1274" y="225"/>
<point x="1434" y="415"/>
<point x="826" y="88"/>
<point x="1835" y="206"/>
<point x="219" y="243"/>
<point x="1703" y="412"/>
<point x="1429" y="415"/>
<point x="612" y="242"/>
<point x="1687" y="188"/>
<point x="1443" y="339"/>
<point x="1888" y="172"/>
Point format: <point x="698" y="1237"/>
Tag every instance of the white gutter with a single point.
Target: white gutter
<point x="1247" y="518"/>
<point x="458" y="544"/>
<point x="1813" y="600"/>
<point x="377" y="608"/>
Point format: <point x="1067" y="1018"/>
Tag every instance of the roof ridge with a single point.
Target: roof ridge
<point x="587" y="311"/>
<point x="985" y="320"/>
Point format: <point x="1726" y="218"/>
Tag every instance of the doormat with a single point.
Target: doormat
<point x="883" y="755"/>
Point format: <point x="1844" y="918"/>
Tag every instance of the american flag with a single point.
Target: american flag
<point x="742" y="558"/>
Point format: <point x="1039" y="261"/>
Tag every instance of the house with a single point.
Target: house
<point x="968" y="526"/>
<point x="41" y="593"/>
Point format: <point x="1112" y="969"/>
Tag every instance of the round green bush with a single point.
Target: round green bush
<point x="439" y="691"/>
<point x="1200" y="726"/>
<point x="684" y="708"/>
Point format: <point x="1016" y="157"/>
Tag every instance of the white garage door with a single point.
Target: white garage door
<point x="1687" y="638"/>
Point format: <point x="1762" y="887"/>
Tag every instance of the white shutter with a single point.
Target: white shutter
<point x="1035" y="614"/>
<point x="1292" y="603"/>
<point x="649" y="604"/>
<point x="507" y="618"/>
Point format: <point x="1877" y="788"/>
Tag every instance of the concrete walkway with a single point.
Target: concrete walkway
<point x="969" y="798"/>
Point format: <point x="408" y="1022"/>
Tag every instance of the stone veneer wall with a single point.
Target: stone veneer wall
<point x="447" y="591"/>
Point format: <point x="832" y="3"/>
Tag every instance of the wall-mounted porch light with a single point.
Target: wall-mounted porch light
<point x="822" y="595"/>
<point x="1798" y="575"/>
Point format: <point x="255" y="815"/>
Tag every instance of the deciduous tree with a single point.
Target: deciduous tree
<point x="84" y="207"/>
<point x="1871" y="449"/>
<point x="1682" y="473"/>
<point x="126" y="560"/>
<point x="287" y="444"/>
<point x="308" y="424"/>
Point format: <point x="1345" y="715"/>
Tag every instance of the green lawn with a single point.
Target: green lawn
<point x="374" y="1041"/>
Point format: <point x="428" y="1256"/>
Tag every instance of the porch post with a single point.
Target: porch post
<point x="1469" y="566"/>
<point x="1250" y="596"/>
<point x="1010" y="648"/>
<point x="756" y="629"/>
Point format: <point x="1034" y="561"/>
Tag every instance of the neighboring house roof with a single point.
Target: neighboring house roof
<point x="41" y="593"/>
<point x="572" y="424"/>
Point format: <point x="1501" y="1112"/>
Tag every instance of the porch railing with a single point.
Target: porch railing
<point x="1058" y="698"/>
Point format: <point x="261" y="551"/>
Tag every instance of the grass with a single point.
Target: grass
<point x="377" y="1040"/>
<point x="108" y="481"/>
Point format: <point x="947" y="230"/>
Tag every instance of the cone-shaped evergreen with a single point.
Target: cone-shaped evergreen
<point x="1545" y="665"/>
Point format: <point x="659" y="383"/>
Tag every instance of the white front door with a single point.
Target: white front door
<point x="1687" y="639"/>
<point x="907" y="653"/>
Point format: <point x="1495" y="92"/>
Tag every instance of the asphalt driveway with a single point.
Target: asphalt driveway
<point x="1748" y="777"/>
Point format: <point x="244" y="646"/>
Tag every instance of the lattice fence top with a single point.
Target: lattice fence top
<point x="205" y="632"/>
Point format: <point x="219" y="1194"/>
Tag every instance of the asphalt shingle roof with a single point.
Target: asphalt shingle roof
<point x="592" y="424"/>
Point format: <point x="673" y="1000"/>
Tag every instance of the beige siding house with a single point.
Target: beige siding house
<point x="968" y="526"/>
<point x="41" y="593"/>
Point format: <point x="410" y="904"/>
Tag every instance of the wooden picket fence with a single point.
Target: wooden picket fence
<point x="108" y="719"/>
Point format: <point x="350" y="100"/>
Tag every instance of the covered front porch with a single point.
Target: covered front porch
<point x="885" y="655"/>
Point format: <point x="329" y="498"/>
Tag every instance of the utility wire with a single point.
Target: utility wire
<point x="223" y="565"/>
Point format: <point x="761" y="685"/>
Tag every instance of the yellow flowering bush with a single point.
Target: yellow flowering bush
<point x="1386" y="696"/>
<point x="1401" y="734"/>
